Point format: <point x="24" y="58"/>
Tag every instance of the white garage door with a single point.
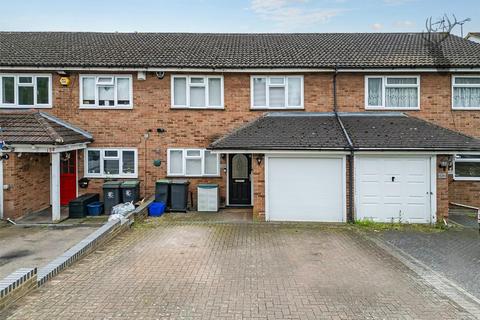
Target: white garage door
<point x="305" y="189"/>
<point x="395" y="189"/>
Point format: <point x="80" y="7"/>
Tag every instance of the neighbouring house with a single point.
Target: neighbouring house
<point x="301" y="127"/>
<point x="473" y="36"/>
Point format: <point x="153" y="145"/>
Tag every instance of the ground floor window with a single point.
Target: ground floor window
<point x="111" y="162"/>
<point x="467" y="167"/>
<point x="193" y="163"/>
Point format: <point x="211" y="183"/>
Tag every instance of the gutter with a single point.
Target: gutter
<point x="240" y="70"/>
<point x="350" y="217"/>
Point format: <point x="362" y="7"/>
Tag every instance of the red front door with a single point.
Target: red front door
<point x="68" y="177"/>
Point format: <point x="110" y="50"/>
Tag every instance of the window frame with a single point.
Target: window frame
<point x="17" y="84"/>
<point x="385" y="85"/>
<point x="184" y="162"/>
<point x="103" y="158"/>
<point x="268" y="84"/>
<point x="189" y="84"/>
<point x="464" y="86"/>
<point x="455" y="160"/>
<point x="115" y="77"/>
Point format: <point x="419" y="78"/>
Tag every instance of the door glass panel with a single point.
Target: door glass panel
<point x="239" y="167"/>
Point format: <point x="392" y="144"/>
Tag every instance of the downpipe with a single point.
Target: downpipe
<point x="350" y="214"/>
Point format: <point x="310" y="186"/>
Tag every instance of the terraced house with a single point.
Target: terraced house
<point x="303" y="127"/>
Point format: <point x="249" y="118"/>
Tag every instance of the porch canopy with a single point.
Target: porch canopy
<point x="30" y="131"/>
<point x="366" y="131"/>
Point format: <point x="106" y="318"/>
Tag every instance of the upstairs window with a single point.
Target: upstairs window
<point x="25" y="91"/>
<point x="197" y="92"/>
<point x="192" y="163"/>
<point x="467" y="167"/>
<point x="466" y="92"/>
<point x="392" y="92"/>
<point x="277" y="92"/>
<point x="106" y="91"/>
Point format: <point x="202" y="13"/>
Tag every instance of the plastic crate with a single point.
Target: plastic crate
<point x="95" y="208"/>
<point x="156" y="209"/>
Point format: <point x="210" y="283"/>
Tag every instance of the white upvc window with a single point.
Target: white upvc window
<point x="26" y="90"/>
<point x="111" y="163"/>
<point x="197" y="92"/>
<point x="192" y="163"/>
<point x="392" y="92"/>
<point x="276" y="92"/>
<point x="466" y="92"/>
<point x="467" y="167"/>
<point x="106" y="91"/>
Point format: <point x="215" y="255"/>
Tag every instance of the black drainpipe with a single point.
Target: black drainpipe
<point x="350" y="147"/>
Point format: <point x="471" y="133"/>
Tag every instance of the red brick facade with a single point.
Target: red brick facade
<point x="197" y="128"/>
<point x="28" y="181"/>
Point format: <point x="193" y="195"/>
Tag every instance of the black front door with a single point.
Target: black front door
<point x="239" y="184"/>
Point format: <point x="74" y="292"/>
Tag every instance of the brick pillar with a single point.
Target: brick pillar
<point x="258" y="171"/>
<point x="442" y="188"/>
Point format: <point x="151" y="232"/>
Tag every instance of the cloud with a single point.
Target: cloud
<point x="405" y="24"/>
<point x="291" y="13"/>
<point x="377" y="26"/>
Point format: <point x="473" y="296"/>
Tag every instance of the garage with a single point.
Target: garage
<point x="394" y="189"/>
<point x="305" y="189"/>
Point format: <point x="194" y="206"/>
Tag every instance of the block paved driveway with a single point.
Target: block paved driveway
<point x="455" y="253"/>
<point x="181" y="270"/>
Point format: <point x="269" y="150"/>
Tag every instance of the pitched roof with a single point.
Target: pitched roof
<point x="33" y="127"/>
<point x="278" y="131"/>
<point x="322" y="131"/>
<point x="400" y="132"/>
<point x="208" y="50"/>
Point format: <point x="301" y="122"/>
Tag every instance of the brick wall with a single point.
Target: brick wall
<point x="258" y="173"/>
<point x="28" y="180"/>
<point x="197" y="128"/>
<point x="443" y="186"/>
<point x="183" y="127"/>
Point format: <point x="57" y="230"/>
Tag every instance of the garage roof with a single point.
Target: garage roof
<point x="287" y="131"/>
<point x="323" y="131"/>
<point x="33" y="127"/>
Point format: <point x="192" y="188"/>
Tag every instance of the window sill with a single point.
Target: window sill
<point x="196" y="177"/>
<point x="197" y="108"/>
<point x="106" y="108"/>
<point x="112" y="177"/>
<point x="392" y="109"/>
<point x="465" y="109"/>
<point x="473" y="179"/>
<point x="8" y="106"/>
<point x="276" y="109"/>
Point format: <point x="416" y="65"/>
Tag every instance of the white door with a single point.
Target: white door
<point x="305" y="189"/>
<point x="393" y="189"/>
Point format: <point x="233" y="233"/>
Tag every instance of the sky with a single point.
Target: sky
<point x="233" y="15"/>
